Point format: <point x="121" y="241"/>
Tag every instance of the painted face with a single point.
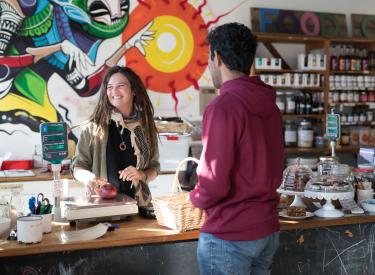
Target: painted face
<point x="120" y="94"/>
<point x="108" y="17"/>
<point x="214" y="71"/>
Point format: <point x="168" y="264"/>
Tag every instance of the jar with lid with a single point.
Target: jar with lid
<point x="343" y="96"/>
<point x="295" y="177"/>
<point x="350" y="96"/>
<point x="355" y="118"/>
<point x="325" y="165"/>
<point x="362" y="117"/>
<point x="336" y="97"/>
<point x="345" y="137"/>
<point x="280" y="101"/>
<point x="290" y="134"/>
<point x="370" y="116"/>
<point x="344" y="119"/>
<point x="364" y="177"/>
<point x="290" y="102"/>
<point x="305" y="134"/>
<point x="371" y="96"/>
<point x="363" y="97"/>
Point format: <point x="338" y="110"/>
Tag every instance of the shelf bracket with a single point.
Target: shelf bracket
<point x="276" y="54"/>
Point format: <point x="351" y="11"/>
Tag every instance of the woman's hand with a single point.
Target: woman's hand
<point x="131" y="173"/>
<point x="93" y="186"/>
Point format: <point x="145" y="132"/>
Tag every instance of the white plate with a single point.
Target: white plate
<point x="284" y="214"/>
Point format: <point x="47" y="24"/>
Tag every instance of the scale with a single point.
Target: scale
<point x="55" y="149"/>
<point x="94" y="208"/>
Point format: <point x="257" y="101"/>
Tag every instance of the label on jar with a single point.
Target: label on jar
<point x="305" y="138"/>
<point x="290" y="136"/>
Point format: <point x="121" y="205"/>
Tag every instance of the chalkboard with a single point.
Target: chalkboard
<point x="346" y="250"/>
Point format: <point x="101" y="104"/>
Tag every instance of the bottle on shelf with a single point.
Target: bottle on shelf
<point x="308" y="103"/>
<point x="302" y="105"/>
<point x="364" y="60"/>
<point x="341" y="59"/>
<point x="347" y="58"/>
<point x="298" y="105"/>
<point x="333" y="61"/>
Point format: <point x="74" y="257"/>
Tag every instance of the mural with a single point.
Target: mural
<point x="53" y="54"/>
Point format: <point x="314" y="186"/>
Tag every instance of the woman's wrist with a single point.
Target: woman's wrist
<point x="145" y="177"/>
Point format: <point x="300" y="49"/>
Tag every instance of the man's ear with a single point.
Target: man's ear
<point x="217" y="59"/>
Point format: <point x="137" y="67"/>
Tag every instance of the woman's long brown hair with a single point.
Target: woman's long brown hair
<point x="103" y="110"/>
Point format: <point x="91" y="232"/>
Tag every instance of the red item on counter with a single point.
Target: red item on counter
<point x="108" y="191"/>
<point x="17" y="164"/>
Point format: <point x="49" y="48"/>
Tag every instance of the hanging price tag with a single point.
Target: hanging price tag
<point x="54" y="141"/>
<point x="333" y="126"/>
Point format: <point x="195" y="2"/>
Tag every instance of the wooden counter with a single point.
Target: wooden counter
<point x="141" y="231"/>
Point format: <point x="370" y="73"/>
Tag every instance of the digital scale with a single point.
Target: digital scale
<point x="78" y="209"/>
<point x="94" y="208"/>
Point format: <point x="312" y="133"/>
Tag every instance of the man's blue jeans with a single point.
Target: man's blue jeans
<point x="217" y="256"/>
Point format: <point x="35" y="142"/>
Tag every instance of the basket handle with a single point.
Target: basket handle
<point x="176" y="187"/>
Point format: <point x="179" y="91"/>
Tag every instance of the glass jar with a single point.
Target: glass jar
<point x="325" y="165"/>
<point x="350" y="96"/>
<point x="280" y="101"/>
<point x="290" y="103"/>
<point x="345" y="137"/>
<point x="370" y="116"/>
<point x="305" y="134"/>
<point x="343" y="96"/>
<point x="336" y="97"/>
<point x="363" y="97"/>
<point x="371" y="96"/>
<point x="290" y="134"/>
<point x="295" y="177"/>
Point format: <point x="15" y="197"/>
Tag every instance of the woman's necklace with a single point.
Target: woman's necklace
<point x="122" y="145"/>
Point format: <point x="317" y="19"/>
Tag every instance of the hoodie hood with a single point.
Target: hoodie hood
<point x="258" y="97"/>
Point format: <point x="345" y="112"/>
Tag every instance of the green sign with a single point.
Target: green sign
<point x="333" y="126"/>
<point x="54" y="141"/>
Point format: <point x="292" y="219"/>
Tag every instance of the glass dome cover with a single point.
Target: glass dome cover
<point x="329" y="184"/>
<point x="295" y="177"/>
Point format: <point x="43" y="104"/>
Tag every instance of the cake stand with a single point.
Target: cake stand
<point x="298" y="195"/>
<point x="328" y="210"/>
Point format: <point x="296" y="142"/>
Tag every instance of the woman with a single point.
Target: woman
<point x="119" y="143"/>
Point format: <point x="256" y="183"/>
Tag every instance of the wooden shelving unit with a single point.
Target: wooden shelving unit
<point x="343" y="149"/>
<point x="311" y="43"/>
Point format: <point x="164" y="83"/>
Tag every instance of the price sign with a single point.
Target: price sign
<point x="54" y="141"/>
<point x="333" y="126"/>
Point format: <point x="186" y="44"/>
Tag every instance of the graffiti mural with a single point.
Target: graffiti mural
<point x="54" y="53"/>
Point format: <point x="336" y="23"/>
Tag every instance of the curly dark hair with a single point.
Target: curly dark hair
<point x="102" y="113"/>
<point x="235" y="44"/>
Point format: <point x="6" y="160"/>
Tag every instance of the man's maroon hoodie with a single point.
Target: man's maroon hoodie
<point x="242" y="161"/>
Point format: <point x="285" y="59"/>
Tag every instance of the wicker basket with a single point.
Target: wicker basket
<point x="174" y="211"/>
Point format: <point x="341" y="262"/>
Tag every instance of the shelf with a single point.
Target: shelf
<point x="342" y="149"/>
<point x="259" y="71"/>
<point x="352" y="72"/>
<point x="353" y="104"/>
<point x="318" y="116"/>
<point x="287" y="38"/>
<point x="297" y="88"/>
<point x="351" y="40"/>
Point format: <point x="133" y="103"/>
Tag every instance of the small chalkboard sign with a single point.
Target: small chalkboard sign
<point x="54" y="141"/>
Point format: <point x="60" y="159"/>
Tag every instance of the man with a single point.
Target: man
<point x="242" y="161"/>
